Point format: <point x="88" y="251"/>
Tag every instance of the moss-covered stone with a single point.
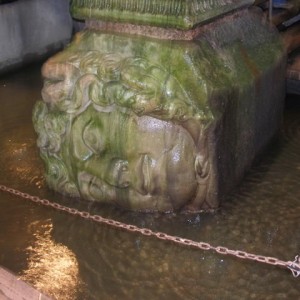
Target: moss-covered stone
<point x="183" y="14"/>
<point x="161" y="125"/>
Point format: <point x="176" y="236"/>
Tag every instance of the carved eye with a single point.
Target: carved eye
<point x="118" y="173"/>
<point x="93" y="138"/>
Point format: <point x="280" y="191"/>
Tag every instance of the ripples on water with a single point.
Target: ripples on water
<point x="71" y="258"/>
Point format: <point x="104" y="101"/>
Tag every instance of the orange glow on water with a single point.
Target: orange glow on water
<point x="52" y="267"/>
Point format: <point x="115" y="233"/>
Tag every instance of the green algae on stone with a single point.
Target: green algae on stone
<point x="181" y="14"/>
<point x="160" y="125"/>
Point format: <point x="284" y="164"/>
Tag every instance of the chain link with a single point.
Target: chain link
<point x="294" y="266"/>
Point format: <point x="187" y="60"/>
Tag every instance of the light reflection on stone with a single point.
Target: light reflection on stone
<point x="52" y="267"/>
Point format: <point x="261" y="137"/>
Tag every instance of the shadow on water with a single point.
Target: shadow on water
<point x="71" y="258"/>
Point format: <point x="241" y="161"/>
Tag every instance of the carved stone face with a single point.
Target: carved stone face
<point x="139" y="162"/>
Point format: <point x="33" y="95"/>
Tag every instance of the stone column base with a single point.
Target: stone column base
<point x="161" y="125"/>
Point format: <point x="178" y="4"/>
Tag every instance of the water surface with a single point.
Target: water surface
<point x="69" y="257"/>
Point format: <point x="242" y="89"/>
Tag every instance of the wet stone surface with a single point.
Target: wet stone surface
<point x="48" y="248"/>
<point x="183" y="14"/>
<point x="158" y="125"/>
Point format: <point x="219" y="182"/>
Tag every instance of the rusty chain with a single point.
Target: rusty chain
<point x="293" y="266"/>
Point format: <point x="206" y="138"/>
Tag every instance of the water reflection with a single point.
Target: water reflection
<point x="67" y="256"/>
<point x="52" y="267"/>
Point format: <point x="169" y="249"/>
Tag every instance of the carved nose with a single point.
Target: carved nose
<point x="118" y="174"/>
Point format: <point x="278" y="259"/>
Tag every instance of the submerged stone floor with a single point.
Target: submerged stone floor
<point x="70" y="258"/>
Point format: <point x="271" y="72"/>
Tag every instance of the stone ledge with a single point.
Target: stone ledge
<point x="180" y="14"/>
<point x="12" y="288"/>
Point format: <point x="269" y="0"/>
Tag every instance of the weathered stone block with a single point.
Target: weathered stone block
<point x="161" y="125"/>
<point x="183" y="14"/>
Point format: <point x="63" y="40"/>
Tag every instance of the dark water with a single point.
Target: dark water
<point x="71" y="258"/>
